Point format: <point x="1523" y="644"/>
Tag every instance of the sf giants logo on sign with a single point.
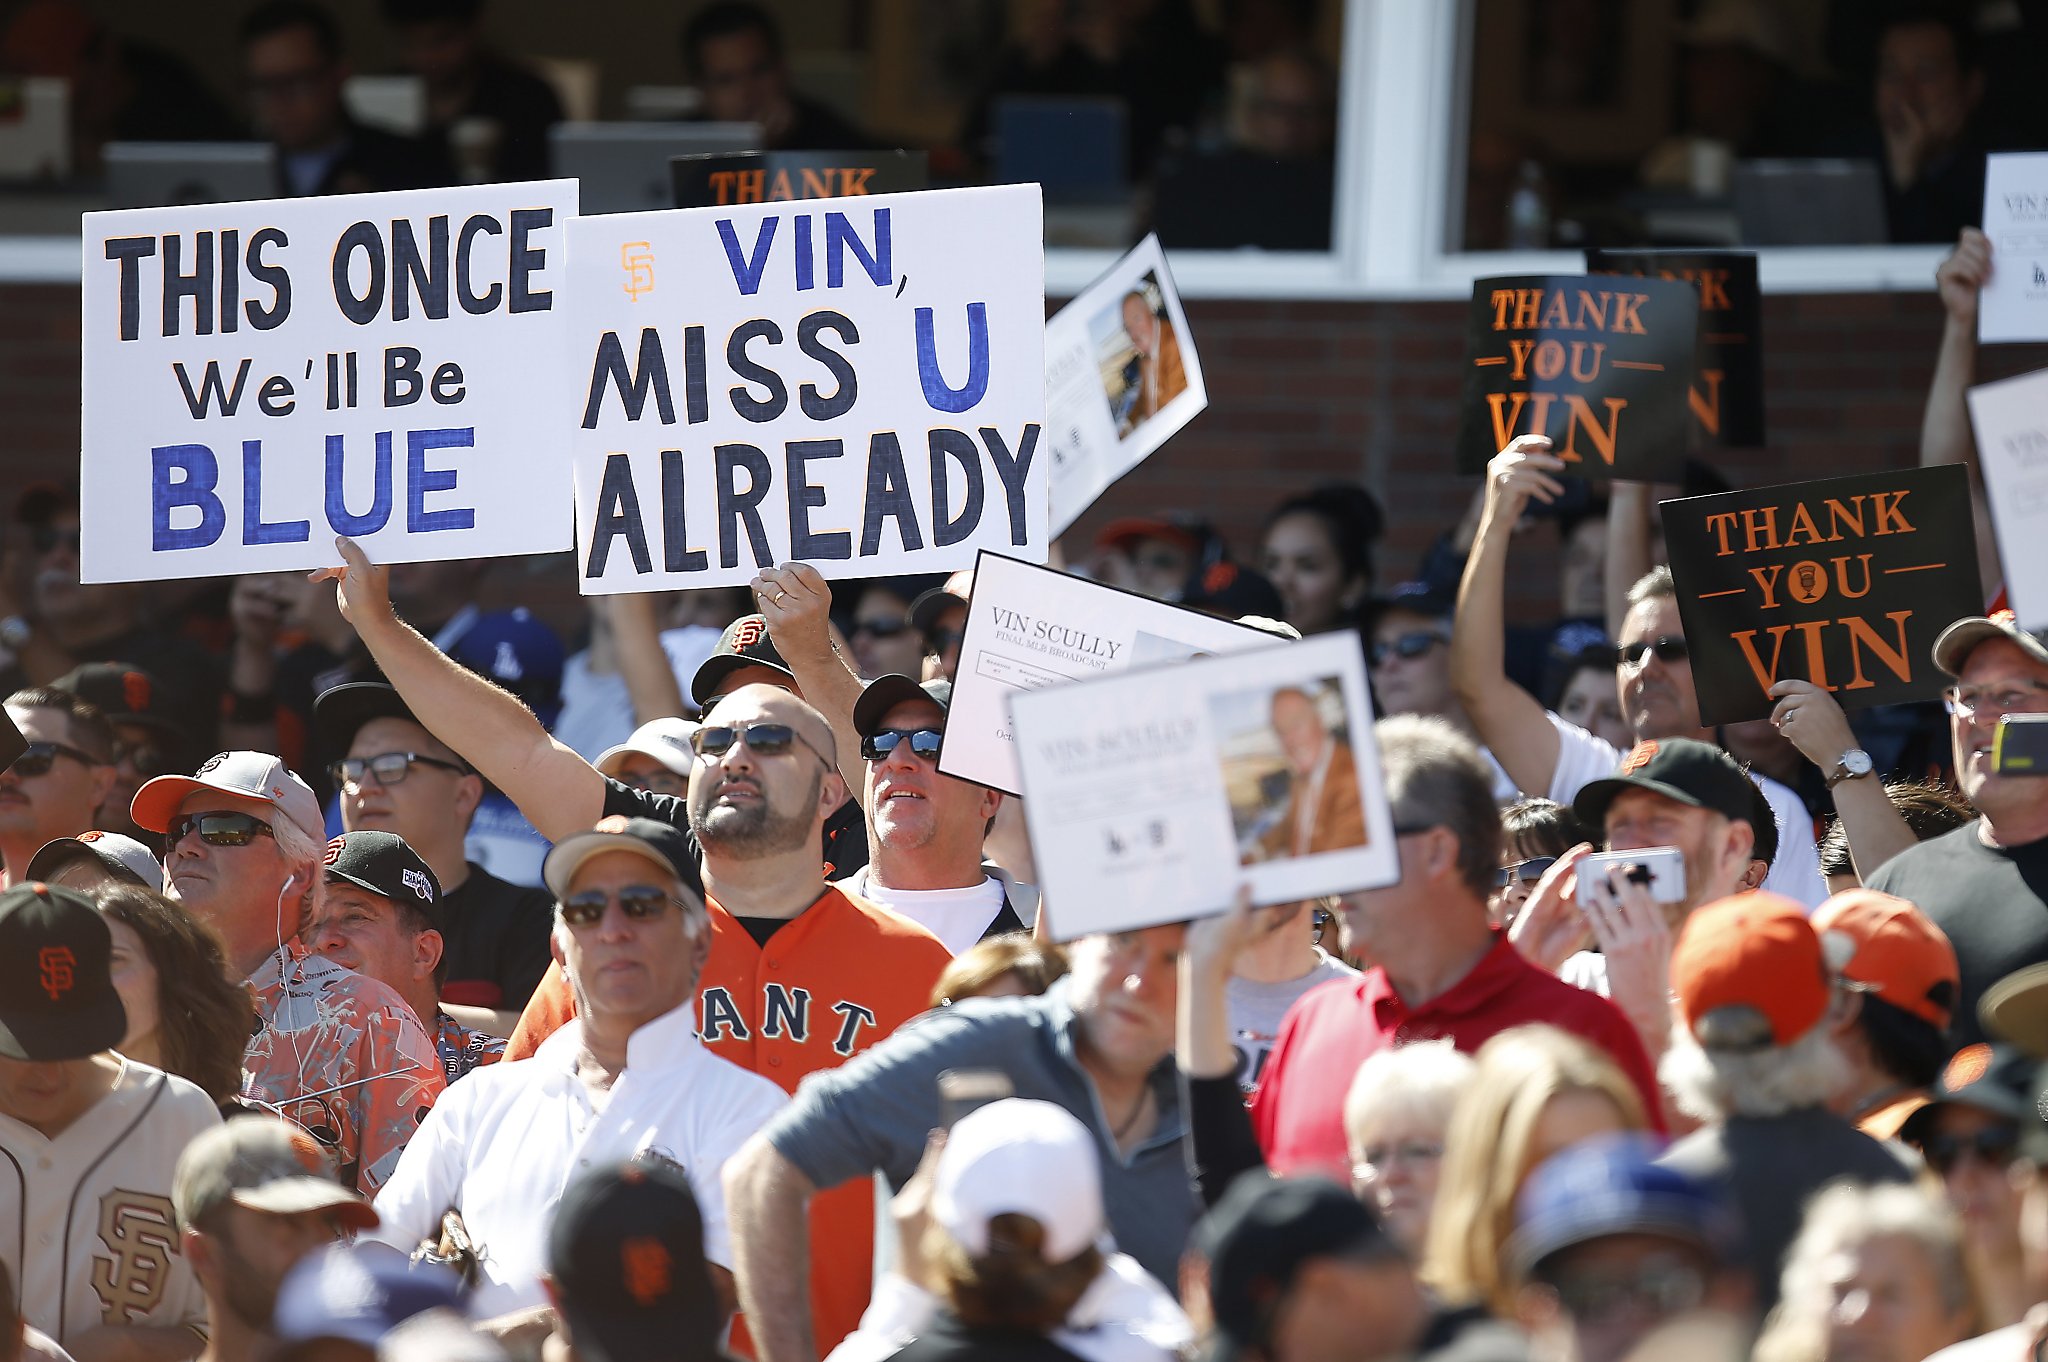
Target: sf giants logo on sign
<point x="141" y="1236"/>
<point x="55" y="966"/>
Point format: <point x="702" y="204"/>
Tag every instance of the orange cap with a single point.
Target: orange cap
<point x="1892" y="949"/>
<point x="1749" y="973"/>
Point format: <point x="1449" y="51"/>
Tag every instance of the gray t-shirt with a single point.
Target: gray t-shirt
<point x="1257" y="1009"/>
<point x="872" y="1113"/>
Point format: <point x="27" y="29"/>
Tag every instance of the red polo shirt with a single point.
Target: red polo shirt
<point x="1298" y="1111"/>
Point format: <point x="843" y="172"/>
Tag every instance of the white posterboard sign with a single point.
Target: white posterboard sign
<point x="1151" y="795"/>
<point x="855" y="383"/>
<point x="2014" y="302"/>
<point x="1121" y="377"/>
<point x="261" y="377"/>
<point x="2011" y="421"/>
<point x="1029" y="627"/>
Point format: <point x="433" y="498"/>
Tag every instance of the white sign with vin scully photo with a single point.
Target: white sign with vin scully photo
<point x="1151" y="795"/>
<point x="2011" y="421"/>
<point x="2014" y="302"/>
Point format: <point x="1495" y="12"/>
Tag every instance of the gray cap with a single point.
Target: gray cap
<point x="261" y="1164"/>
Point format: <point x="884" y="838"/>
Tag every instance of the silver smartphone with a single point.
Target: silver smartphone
<point x="1661" y="868"/>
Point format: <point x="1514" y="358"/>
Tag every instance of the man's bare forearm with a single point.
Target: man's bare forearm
<point x="765" y="1200"/>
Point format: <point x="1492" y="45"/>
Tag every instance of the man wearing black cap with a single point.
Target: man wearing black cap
<point x="628" y="1076"/>
<point x="1983" y="883"/>
<point x="394" y="776"/>
<point x="377" y="918"/>
<point x="148" y="741"/>
<point x="924" y="828"/>
<point x="1300" y="1271"/>
<point x="940" y="616"/>
<point x="89" y="1143"/>
<point x="626" y="1269"/>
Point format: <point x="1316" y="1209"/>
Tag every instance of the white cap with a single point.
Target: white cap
<point x="667" y="740"/>
<point x="249" y="775"/>
<point x="1020" y="1157"/>
<point x="122" y="857"/>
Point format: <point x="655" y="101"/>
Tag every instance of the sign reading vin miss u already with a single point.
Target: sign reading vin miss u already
<point x="260" y="377"/>
<point x="856" y="383"/>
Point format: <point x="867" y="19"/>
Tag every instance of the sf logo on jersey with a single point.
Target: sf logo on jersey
<point x="141" y="1233"/>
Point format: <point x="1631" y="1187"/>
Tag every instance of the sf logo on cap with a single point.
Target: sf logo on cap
<point x="1971" y="1063"/>
<point x="1638" y="758"/>
<point x="748" y="632"/>
<point x="56" y="964"/>
<point x="644" y="1267"/>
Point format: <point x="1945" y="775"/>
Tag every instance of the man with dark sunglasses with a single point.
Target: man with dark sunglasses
<point x="54" y="788"/>
<point x="338" y="1053"/>
<point x="391" y="775"/>
<point x="628" y="1077"/>
<point x="1542" y="753"/>
<point x="801" y="976"/>
<point x="925" y="828"/>
<point x="148" y="740"/>
<point x="1408" y="655"/>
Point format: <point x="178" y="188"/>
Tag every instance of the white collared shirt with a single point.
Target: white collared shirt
<point x="502" y="1144"/>
<point x="1312" y="798"/>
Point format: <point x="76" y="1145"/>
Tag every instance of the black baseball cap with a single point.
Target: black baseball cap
<point x="57" y="998"/>
<point x="1692" y="772"/>
<point x="1230" y="589"/>
<point x="126" y="695"/>
<point x="626" y="1253"/>
<point x="340" y="711"/>
<point x="1996" y="1079"/>
<point x="662" y="843"/>
<point x="929" y="606"/>
<point x="384" y="864"/>
<point x="884" y="693"/>
<point x="746" y="642"/>
<point x="1261" y="1233"/>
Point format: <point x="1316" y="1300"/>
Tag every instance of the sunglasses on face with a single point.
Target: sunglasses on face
<point x="880" y="628"/>
<point x="1527" y="872"/>
<point x="763" y="740"/>
<point x="1993" y="1146"/>
<point x="924" y="742"/>
<point x="390" y="768"/>
<point x="939" y="643"/>
<point x="638" y="902"/>
<point x="1406" y="646"/>
<point x="1661" y="1286"/>
<point x="147" y="759"/>
<point x="1667" y="647"/>
<point x="38" y="757"/>
<point x="660" y="781"/>
<point x="219" y="829"/>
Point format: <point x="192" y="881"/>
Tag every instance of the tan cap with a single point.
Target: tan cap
<point x="263" y="1164"/>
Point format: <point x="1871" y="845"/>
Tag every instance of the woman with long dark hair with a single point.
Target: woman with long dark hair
<point x="186" y="1016"/>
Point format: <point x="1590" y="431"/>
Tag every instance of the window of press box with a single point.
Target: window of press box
<point x="1211" y="121"/>
<point x="1720" y="123"/>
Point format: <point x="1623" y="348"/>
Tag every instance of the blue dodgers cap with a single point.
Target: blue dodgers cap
<point x="1608" y="1186"/>
<point x="359" y="1293"/>
<point x="516" y="650"/>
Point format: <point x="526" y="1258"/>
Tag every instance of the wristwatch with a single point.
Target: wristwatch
<point x="1854" y="765"/>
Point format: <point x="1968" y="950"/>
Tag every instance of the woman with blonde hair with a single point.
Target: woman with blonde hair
<point x="1395" y="1118"/>
<point x="1534" y="1091"/>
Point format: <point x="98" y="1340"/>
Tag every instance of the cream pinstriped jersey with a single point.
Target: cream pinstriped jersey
<point x="85" y="1219"/>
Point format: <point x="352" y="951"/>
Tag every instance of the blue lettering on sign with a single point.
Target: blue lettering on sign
<point x="940" y="395"/>
<point x="421" y="480"/>
<point x="169" y="492"/>
<point x="338" y="514"/>
<point x="254" y="529"/>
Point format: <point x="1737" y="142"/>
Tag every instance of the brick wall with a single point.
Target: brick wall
<point x="1298" y="392"/>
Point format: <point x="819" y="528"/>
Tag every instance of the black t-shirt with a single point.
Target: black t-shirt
<point x="496" y="938"/>
<point x="1991" y="901"/>
<point x="845" y="841"/>
<point x="946" y="1339"/>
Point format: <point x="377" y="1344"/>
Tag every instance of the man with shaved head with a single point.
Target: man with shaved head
<point x="801" y="976"/>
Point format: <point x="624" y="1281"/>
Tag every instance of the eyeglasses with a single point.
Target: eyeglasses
<point x="146" y="758"/>
<point x="1408" y="646"/>
<point x="1667" y="647"/>
<point x="638" y="902"/>
<point x="924" y="742"/>
<point x="940" y="641"/>
<point x="1967" y="701"/>
<point x="220" y="828"/>
<point x="38" y="757"/>
<point x="763" y="740"/>
<point x="1659" y="1286"/>
<point x="390" y="768"/>
<point x="1376" y="1157"/>
<point x="1993" y="1146"/>
<point x="660" y="780"/>
<point x="879" y="628"/>
<point x="1528" y="872"/>
<point x="47" y="537"/>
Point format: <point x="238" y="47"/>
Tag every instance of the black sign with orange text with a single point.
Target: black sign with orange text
<point x="1844" y="582"/>
<point x="723" y="180"/>
<point x="1599" y="363"/>
<point x="1727" y="396"/>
